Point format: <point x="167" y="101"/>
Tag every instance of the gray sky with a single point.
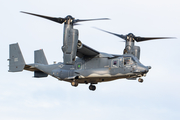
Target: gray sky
<point x="24" y="97"/>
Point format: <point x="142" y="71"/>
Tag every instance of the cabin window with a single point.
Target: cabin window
<point x="114" y="63"/>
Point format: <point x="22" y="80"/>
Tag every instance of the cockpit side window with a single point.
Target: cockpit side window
<point x="128" y="61"/>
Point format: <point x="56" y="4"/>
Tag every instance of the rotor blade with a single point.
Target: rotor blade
<point x="55" y="19"/>
<point x="81" y="20"/>
<point x="118" y="35"/>
<point x="141" y="39"/>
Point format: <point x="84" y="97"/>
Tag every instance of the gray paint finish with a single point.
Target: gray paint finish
<point x="16" y="60"/>
<point x="91" y="70"/>
<point x="90" y="66"/>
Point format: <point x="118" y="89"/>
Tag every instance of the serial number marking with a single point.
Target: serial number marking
<point x="15" y="59"/>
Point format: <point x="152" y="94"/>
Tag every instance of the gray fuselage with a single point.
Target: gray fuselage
<point x="101" y="68"/>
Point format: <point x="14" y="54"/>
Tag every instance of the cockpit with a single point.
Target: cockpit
<point x="124" y="61"/>
<point x="129" y="60"/>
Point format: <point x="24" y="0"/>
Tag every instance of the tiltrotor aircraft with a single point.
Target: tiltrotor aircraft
<point x="90" y="66"/>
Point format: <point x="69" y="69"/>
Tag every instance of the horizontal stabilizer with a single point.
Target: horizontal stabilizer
<point x="16" y="60"/>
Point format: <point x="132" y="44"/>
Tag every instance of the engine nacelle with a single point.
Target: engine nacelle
<point x="136" y="51"/>
<point x="69" y="47"/>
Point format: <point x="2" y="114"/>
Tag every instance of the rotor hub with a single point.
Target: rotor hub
<point x="130" y="37"/>
<point x="69" y="17"/>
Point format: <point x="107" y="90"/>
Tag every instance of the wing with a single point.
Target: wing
<point x="86" y="51"/>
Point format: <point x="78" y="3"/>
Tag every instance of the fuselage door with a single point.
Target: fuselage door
<point x="71" y="73"/>
<point x="114" y="67"/>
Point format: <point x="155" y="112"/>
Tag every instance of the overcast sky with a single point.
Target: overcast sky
<point x="23" y="97"/>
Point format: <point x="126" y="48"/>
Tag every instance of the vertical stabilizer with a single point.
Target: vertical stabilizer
<point x="16" y="60"/>
<point x="39" y="57"/>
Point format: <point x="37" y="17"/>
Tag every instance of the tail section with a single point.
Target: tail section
<point x="17" y="63"/>
<point x="16" y="60"/>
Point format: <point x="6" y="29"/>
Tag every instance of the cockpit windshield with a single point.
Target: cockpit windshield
<point x="129" y="60"/>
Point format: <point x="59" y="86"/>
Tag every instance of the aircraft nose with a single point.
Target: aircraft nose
<point x="145" y="69"/>
<point x="149" y="67"/>
<point x="142" y="69"/>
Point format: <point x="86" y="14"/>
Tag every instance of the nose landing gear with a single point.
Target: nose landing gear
<point x="74" y="83"/>
<point x="140" y="80"/>
<point x="92" y="87"/>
